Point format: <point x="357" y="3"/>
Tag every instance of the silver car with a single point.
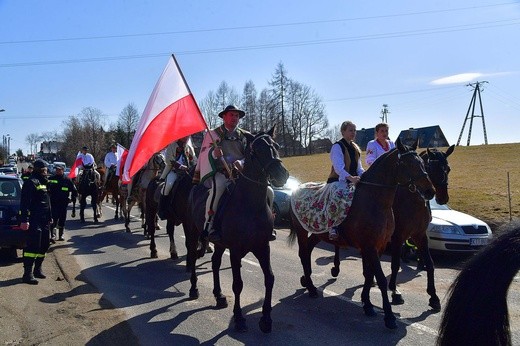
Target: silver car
<point x="282" y="199"/>
<point x="451" y="230"/>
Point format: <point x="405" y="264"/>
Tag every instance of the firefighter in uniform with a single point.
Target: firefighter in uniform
<point x="62" y="191"/>
<point x="35" y="216"/>
<point x="27" y="173"/>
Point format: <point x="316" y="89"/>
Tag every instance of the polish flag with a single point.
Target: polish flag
<point x="74" y="169"/>
<point x="122" y="153"/>
<point x="170" y="114"/>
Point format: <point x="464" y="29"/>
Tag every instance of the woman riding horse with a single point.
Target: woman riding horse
<point x="369" y="223"/>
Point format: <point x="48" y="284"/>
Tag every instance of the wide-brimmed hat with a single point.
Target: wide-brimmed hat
<point x="241" y="113"/>
<point x="84" y="148"/>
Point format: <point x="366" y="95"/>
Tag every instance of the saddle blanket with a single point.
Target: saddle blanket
<point x="320" y="206"/>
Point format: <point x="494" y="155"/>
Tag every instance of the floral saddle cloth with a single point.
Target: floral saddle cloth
<point x="320" y="206"/>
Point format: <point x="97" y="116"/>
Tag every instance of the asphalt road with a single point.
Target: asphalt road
<point x="153" y="293"/>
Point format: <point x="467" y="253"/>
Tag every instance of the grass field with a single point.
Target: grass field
<point x="478" y="182"/>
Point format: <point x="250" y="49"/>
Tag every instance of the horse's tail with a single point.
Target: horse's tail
<point x="477" y="308"/>
<point x="293" y="234"/>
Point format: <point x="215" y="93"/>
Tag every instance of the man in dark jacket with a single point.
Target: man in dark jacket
<point x="62" y="191"/>
<point x="27" y="173"/>
<point x="35" y="217"/>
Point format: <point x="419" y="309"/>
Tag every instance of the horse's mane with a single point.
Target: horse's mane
<point x="477" y="308"/>
<point x="378" y="162"/>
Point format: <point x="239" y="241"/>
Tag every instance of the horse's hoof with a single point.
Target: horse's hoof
<point x="128" y="230"/>
<point x="334" y="271"/>
<point x="82" y="220"/>
<point x="369" y="311"/>
<point x="96" y="221"/>
<point x="221" y="302"/>
<point x="174" y="256"/>
<point x="303" y="281"/>
<point x="240" y="325"/>
<point x="266" y="325"/>
<point x="72" y="215"/>
<point x="435" y="304"/>
<point x="209" y="249"/>
<point x="154" y="254"/>
<point x="397" y="299"/>
<point x="194" y="293"/>
<point x="390" y="323"/>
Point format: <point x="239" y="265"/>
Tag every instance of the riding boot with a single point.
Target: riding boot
<point x="38" y="268"/>
<point x="53" y="235"/>
<point x="61" y="234"/>
<point x="28" y="276"/>
<point x="214" y="235"/>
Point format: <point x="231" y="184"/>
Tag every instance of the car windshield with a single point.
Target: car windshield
<point x="6" y="170"/>
<point x="10" y="189"/>
<point x="435" y="206"/>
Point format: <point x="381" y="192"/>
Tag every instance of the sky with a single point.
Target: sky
<point x="417" y="57"/>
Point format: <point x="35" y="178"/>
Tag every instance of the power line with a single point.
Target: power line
<point x="449" y="29"/>
<point x="249" y="27"/>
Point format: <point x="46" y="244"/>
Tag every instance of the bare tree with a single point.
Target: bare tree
<point x="210" y="108"/>
<point x="279" y="82"/>
<point x="92" y="119"/>
<point x="32" y="139"/>
<point x="127" y="124"/>
<point x="250" y="121"/>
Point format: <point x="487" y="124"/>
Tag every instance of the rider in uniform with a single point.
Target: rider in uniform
<point x="35" y="216"/>
<point x="62" y="191"/>
<point x="111" y="159"/>
<point x="180" y="157"/>
<point x="229" y="146"/>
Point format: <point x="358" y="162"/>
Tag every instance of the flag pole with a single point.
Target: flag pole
<point x="213" y="142"/>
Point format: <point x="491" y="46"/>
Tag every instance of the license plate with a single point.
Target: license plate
<point x="478" y="241"/>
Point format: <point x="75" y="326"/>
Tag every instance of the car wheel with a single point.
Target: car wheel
<point x="277" y="216"/>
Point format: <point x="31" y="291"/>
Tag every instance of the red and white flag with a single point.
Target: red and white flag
<point x="171" y="113"/>
<point x="74" y="169"/>
<point x="122" y="154"/>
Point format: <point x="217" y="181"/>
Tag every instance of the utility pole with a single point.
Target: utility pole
<point x="384" y="114"/>
<point x="476" y="93"/>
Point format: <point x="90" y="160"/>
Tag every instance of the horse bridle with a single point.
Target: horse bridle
<point x="428" y="165"/>
<point x="263" y="168"/>
<point x="412" y="179"/>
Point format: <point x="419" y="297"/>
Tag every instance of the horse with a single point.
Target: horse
<point x="412" y="216"/>
<point x="246" y="222"/>
<point x="87" y="186"/>
<point x="476" y="312"/>
<point x="176" y="211"/>
<point x="111" y="187"/>
<point x="140" y="183"/>
<point x="370" y="222"/>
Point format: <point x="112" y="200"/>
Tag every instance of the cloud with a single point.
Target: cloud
<point x="457" y="78"/>
<point x="468" y="77"/>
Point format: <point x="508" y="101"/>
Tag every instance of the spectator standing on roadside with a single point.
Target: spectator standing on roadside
<point x="62" y="191"/>
<point x="35" y="215"/>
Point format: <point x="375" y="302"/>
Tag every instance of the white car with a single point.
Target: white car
<point x="451" y="230"/>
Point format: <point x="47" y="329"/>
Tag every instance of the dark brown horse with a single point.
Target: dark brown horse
<point x="370" y="222"/>
<point x="246" y="222"/>
<point x="412" y="216"/>
<point x="477" y="313"/>
<point x="111" y="187"/>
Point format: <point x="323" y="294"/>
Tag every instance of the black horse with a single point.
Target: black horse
<point x="476" y="313"/>
<point x="246" y="222"/>
<point x="88" y="186"/>
<point x="176" y="212"/>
